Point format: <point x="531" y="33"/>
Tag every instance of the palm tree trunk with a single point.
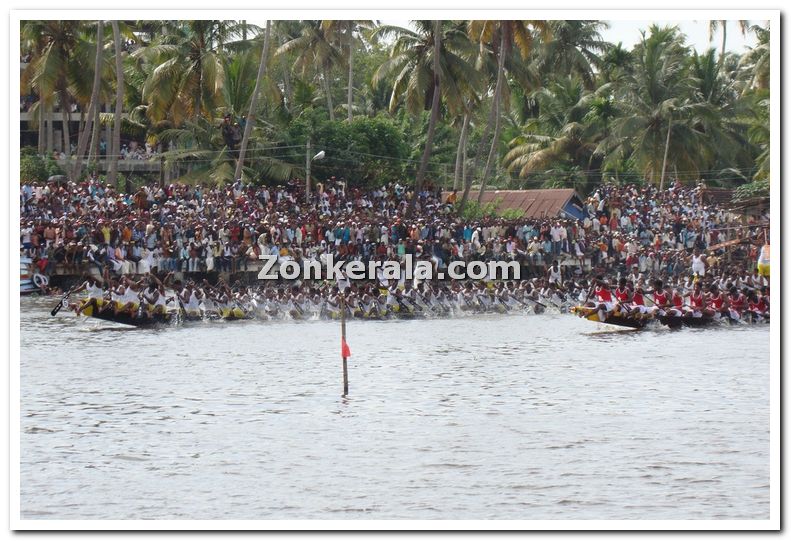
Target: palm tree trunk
<point x="326" y="77"/>
<point x="721" y="61"/>
<point x="248" y="127"/>
<point x="97" y="79"/>
<point x="108" y="134"/>
<point x="286" y="80"/>
<point x="93" y="153"/>
<point x="198" y="104"/>
<point x="41" y="130"/>
<point x="421" y="173"/>
<point x="498" y="90"/>
<point x="66" y="114"/>
<point x="464" y="161"/>
<point x="482" y="143"/>
<point x="724" y="37"/>
<point x="49" y="108"/>
<point x="81" y="123"/>
<point x="114" y="146"/>
<point x="460" y="151"/>
<point x="351" y="73"/>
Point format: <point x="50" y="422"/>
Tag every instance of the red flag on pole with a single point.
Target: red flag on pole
<point x="345" y="351"/>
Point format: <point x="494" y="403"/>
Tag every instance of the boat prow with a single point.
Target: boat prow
<point x="592" y="314"/>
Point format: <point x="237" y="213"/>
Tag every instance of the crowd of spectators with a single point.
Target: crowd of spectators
<point x="135" y="151"/>
<point x="191" y="229"/>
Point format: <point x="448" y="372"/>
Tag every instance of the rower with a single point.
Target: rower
<point x="604" y="297"/>
<point x="622" y="297"/>
<point x="153" y="301"/>
<point x="191" y="300"/>
<point x="661" y="298"/>
<point x="716" y="302"/>
<point x="676" y="302"/>
<point x="697" y="300"/>
<point x="638" y="301"/>
<point x="95" y="298"/>
<point x="736" y="302"/>
<point x="756" y="306"/>
<point x="128" y="298"/>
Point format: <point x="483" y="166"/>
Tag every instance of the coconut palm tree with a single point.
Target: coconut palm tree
<point x="188" y="73"/>
<point x="410" y="66"/>
<point x="662" y="113"/>
<point x="576" y="48"/>
<point x="114" y="145"/>
<point x="348" y="35"/>
<point x="566" y="133"/>
<point x="316" y="47"/>
<point x="756" y="61"/>
<point x="56" y="69"/>
<point x="413" y="66"/>
<point x="82" y="142"/>
<point x="759" y="135"/>
<point x="714" y="25"/>
<point x="615" y="63"/>
<point x="499" y="40"/>
<point x="200" y="147"/>
<point x="437" y="74"/>
<point x="250" y="121"/>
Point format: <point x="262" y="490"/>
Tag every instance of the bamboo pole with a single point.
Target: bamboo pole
<point x="343" y="341"/>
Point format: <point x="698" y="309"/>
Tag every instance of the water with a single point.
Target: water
<point x="486" y="417"/>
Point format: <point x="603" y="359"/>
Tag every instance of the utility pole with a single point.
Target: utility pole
<point x="667" y="147"/>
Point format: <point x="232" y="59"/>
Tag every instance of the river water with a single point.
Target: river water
<point x="483" y="417"/>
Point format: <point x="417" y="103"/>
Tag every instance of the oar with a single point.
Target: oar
<point x="60" y="304"/>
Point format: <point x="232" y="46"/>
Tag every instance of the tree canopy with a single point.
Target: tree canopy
<point x="521" y="103"/>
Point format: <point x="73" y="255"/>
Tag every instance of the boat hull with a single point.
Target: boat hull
<point x="128" y="319"/>
<point x="591" y="314"/>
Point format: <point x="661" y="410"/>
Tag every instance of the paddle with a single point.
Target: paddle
<point x="542" y="305"/>
<point x="60" y="304"/>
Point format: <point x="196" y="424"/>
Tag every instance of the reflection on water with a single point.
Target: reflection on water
<point x="492" y="417"/>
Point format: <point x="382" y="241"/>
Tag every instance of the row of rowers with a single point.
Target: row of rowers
<point x="150" y="296"/>
<point x="695" y="299"/>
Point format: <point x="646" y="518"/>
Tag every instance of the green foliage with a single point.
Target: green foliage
<point x="757" y="188"/>
<point x="369" y="151"/>
<point x="512" y="214"/>
<point x="35" y="168"/>
<point x="475" y="211"/>
<point x="575" y="109"/>
<point x="32" y="168"/>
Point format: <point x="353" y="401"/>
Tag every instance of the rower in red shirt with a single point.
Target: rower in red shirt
<point x="757" y="306"/>
<point x="737" y="303"/>
<point x="716" y="302"/>
<point x="676" y="303"/>
<point x="697" y="300"/>
<point x="622" y="297"/>
<point x="604" y="298"/>
<point x="661" y="298"/>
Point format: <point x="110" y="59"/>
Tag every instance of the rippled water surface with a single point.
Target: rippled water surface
<point x="489" y="417"/>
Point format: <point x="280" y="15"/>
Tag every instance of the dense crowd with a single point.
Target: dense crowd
<point x="626" y="229"/>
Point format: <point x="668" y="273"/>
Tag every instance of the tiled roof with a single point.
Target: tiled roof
<point x="534" y="203"/>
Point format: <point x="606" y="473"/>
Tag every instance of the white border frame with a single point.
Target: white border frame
<point x="13" y="323"/>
